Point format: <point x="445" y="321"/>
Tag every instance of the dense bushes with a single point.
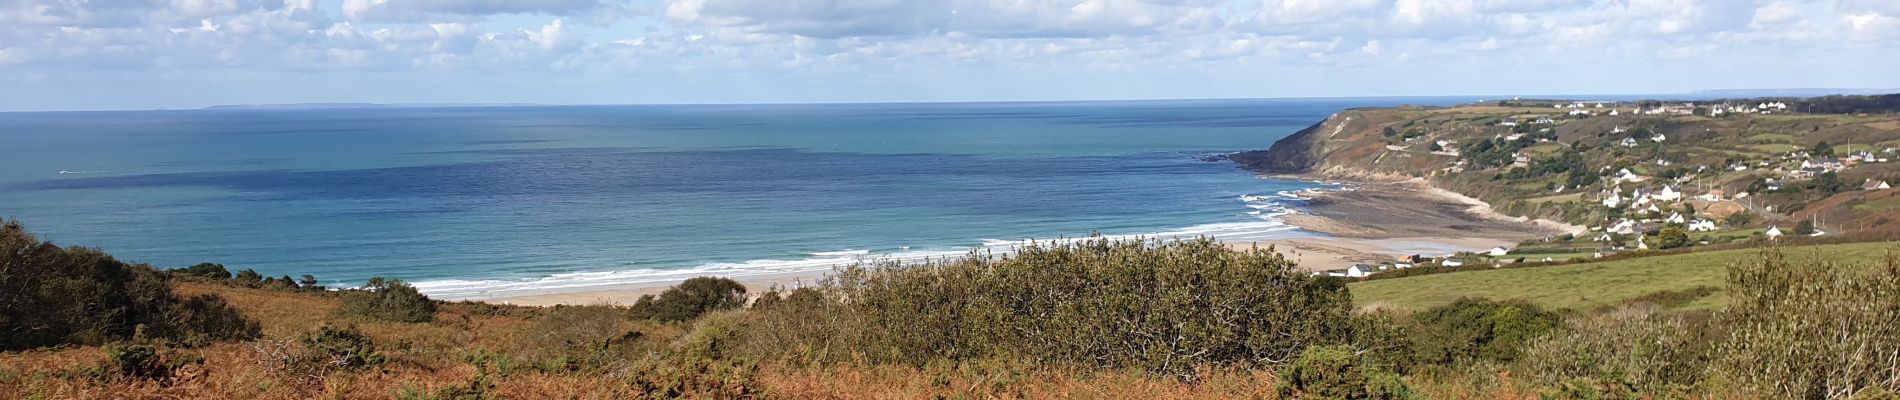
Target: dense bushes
<point x="1626" y="352"/>
<point x="1338" y="372"/>
<point x="582" y="338"/>
<point x="1818" y="329"/>
<point x="1167" y="307"/>
<point x="51" y="296"/>
<point x="690" y="299"/>
<point x="388" y="300"/>
<point x="1471" y="330"/>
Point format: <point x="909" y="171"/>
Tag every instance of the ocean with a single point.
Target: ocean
<point x="483" y="202"/>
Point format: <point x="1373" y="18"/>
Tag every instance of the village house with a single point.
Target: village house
<point x="1499" y="251"/>
<point x="1667" y="193"/>
<point x="1629" y="142"/>
<point x="1702" y="225"/>
<point x="1360" y="271"/>
<point x="1804" y="173"/>
<point x="1712" y="195"/>
<point x="1772" y="232"/>
<point x="1825" y="163"/>
<point x="1873" y="184"/>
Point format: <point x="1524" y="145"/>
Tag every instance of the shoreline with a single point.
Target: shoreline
<point x="1370" y="220"/>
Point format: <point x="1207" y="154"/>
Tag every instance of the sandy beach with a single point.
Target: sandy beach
<point x="1372" y="221"/>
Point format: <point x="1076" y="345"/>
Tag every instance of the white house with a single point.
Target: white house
<point x="1613" y="200"/>
<point x="1667" y="194"/>
<point x="1675" y="218"/>
<point x="1772" y="232"/>
<point x="1499" y="251"/>
<point x="1642" y="242"/>
<point x="1658" y="138"/>
<point x="1359" y="271"/>
<point x="1451" y="263"/>
<point x="1629" y="142"/>
<point x="1623" y="227"/>
<point x="1702" y="225"/>
<point x="1875" y="185"/>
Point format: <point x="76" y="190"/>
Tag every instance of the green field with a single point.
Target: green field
<point x="1584" y="286"/>
<point x="1774" y="138"/>
<point x="1775" y="148"/>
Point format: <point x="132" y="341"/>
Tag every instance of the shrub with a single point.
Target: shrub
<point x="203" y="319"/>
<point x="674" y="376"/>
<point x="1471" y="330"/>
<point x="575" y="338"/>
<point x="1337" y="372"/>
<point x="332" y="347"/>
<point x="1633" y="351"/>
<point x="141" y="361"/>
<point x="249" y="277"/>
<point x="51" y="295"/>
<point x="204" y="270"/>
<point x="1817" y="329"/>
<point x="690" y="299"/>
<point x="1166" y="307"/>
<point x="388" y="300"/>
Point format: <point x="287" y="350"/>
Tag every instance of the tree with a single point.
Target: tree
<point x="1739" y="218"/>
<point x="1828" y="183"/>
<point x="690" y="299"/>
<point x="1822" y="149"/>
<point x="1436" y="147"/>
<point x="1671" y="237"/>
<point x="52" y="296"/>
<point x="1804" y="228"/>
<point x="388" y="300"/>
<point x="204" y="270"/>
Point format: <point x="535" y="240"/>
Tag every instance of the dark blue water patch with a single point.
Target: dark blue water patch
<point x="775" y="178"/>
<point x="498" y="142"/>
<point x="547" y="151"/>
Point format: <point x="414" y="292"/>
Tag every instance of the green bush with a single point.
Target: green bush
<point x="51" y="296"/>
<point x="1472" y="330"/>
<point x="1630" y="352"/>
<point x="1816" y="329"/>
<point x="345" y="348"/>
<point x="1167" y="307"/>
<point x="1337" y="372"/>
<point x="690" y="299"/>
<point x="203" y="319"/>
<point x="388" y="300"/>
<point x="203" y="270"/>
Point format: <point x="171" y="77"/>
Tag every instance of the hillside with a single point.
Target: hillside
<point x="1629" y="169"/>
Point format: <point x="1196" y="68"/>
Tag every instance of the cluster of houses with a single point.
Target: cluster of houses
<point x="1811" y="166"/>
<point x="1410" y="261"/>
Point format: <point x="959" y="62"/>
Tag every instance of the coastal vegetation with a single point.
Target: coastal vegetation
<point x="1095" y="318"/>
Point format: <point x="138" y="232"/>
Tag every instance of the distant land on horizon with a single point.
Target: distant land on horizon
<point x="1699" y="94"/>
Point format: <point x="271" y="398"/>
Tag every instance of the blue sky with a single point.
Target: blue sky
<point x="140" y="54"/>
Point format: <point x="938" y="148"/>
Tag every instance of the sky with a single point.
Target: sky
<point x="146" y="54"/>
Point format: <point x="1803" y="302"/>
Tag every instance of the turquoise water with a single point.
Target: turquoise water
<point x="480" y="202"/>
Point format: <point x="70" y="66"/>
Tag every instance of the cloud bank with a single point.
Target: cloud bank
<point x="180" y="53"/>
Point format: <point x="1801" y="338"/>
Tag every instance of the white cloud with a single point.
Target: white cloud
<point x="417" y="10"/>
<point x="909" y="41"/>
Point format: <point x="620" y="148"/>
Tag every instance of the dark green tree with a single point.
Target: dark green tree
<point x="690" y="299"/>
